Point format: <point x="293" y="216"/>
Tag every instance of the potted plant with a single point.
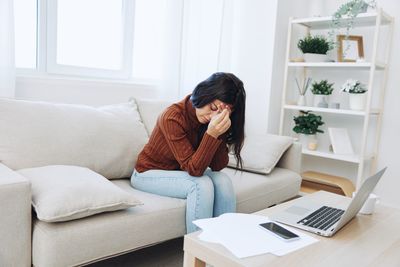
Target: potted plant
<point x="321" y="91"/>
<point x="314" y="48"/>
<point x="348" y="10"/>
<point x="357" y="96"/>
<point x="307" y="124"/>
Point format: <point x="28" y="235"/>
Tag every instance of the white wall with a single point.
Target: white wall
<point x="286" y="9"/>
<point x="252" y="54"/>
<point x="80" y="91"/>
<point x="389" y="187"/>
<point x="389" y="144"/>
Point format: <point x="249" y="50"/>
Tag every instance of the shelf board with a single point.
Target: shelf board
<point x="362" y="20"/>
<point x="317" y="180"/>
<point x="329" y="155"/>
<point x="354" y="65"/>
<point x="332" y="110"/>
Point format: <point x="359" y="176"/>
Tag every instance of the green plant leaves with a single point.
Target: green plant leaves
<point x="350" y="9"/>
<point x="322" y="88"/>
<point x="314" y="44"/>
<point x="308" y="123"/>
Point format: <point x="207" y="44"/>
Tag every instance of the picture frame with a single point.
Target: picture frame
<point x="350" y="48"/>
<point x="340" y="141"/>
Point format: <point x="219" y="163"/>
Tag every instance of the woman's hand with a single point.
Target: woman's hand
<point x="219" y="124"/>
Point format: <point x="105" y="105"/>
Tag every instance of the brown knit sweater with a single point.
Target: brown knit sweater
<point x="175" y="144"/>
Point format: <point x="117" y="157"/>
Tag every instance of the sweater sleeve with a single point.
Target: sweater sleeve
<point x="221" y="158"/>
<point x="193" y="161"/>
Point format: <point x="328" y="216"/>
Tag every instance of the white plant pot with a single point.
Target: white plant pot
<point x="321" y="101"/>
<point x="302" y="101"/>
<point x="309" y="57"/>
<point x="357" y="101"/>
<point x="309" y="142"/>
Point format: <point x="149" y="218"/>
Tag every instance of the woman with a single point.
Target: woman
<point x="189" y="146"/>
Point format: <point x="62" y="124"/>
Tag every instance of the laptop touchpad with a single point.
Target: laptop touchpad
<point x="297" y="210"/>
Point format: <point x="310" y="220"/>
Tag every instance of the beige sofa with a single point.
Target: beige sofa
<point x="27" y="241"/>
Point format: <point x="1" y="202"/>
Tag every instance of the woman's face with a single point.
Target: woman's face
<point x="205" y="113"/>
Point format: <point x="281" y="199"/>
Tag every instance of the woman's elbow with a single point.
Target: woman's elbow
<point x="217" y="168"/>
<point x="195" y="173"/>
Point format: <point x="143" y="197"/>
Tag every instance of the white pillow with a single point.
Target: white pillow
<point x="63" y="193"/>
<point x="106" y="139"/>
<point x="260" y="153"/>
<point x="150" y="109"/>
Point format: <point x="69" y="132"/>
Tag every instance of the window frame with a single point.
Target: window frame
<point x="22" y="70"/>
<point x="46" y="58"/>
<point x="48" y="47"/>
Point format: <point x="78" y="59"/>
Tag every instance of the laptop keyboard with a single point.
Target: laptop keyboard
<point x="323" y="218"/>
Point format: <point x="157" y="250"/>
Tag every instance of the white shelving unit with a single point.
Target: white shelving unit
<point x="364" y="65"/>
<point x="374" y="63"/>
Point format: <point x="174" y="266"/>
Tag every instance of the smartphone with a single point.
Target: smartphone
<point x="279" y="231"/>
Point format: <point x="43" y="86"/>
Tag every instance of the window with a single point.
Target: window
<point x="89" y="37"/>
<point x="149" y="39"/>
<point x="25" y="33"/>
<point x="121" y="39"/>
<point x="89" y="33"/>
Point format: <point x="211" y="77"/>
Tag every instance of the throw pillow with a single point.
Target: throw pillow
<point x="105" y="139"/>
<point x="63" y="193"/>
<point x="150" y="109"/>
<point x="260" y="153"/>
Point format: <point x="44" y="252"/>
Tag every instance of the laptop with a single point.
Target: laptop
<point x="326" y="218"/>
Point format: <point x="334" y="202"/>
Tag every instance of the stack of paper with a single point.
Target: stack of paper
<point x="242" y="235"/>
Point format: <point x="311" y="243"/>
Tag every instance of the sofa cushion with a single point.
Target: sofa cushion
<point x="260" y="153"/>
<point x="63" y="193"/>
<point x="149" y="110"/>
<point x="158" y="219"/>
<point x="105" y="139"/>
<point x="81" y="241"/>
<point x="255" y="192"/>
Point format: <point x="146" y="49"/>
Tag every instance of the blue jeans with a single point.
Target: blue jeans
<point x="206" y="196"/>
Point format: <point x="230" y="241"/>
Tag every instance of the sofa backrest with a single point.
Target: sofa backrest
<point x="106" y="140"/>
<point x="149" y="110"/>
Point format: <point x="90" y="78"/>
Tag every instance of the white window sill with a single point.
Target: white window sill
<point x="23" y="74"/>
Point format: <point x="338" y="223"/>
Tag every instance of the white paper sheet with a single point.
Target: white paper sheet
<point x="242" y="235"/>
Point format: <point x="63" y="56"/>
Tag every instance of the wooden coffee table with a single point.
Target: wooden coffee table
<point x="367" y="240"/>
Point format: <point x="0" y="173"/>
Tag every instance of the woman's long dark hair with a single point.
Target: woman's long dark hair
<point x="227" y="88"/>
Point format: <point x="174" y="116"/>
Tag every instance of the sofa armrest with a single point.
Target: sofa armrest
<point x="291" y="159"/>
<point x="15" y="218"/>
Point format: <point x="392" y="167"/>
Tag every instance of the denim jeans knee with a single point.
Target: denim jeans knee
<point x="198" y="191"/>
<point x="224" y="195"/>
